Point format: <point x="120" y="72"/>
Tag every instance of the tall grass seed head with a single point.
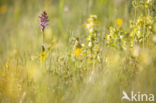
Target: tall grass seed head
<point x="77" y="43"/>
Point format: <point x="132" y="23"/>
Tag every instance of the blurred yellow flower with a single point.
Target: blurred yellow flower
<point x="119" y="22"/>
<point x="85" y="25"/>
<point x="88" y="52"/>
<point x="89" y="20"/>
<point x="106" y="36"/>
<point x="42" y="56"/>
<point x="131" y="35"/>
<point x="3" y="9"/>
<point x="96" y="22"/>
<point x="77" y="52"/>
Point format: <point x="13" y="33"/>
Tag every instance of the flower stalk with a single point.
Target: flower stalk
<point x="43" y="20"/>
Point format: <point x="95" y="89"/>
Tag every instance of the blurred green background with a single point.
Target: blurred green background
<point x="19" y="19"/>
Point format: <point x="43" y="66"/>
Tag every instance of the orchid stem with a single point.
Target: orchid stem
<point x="43" y="38"/>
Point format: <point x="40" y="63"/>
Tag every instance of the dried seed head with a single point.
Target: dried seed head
<point x="43" y="48"/>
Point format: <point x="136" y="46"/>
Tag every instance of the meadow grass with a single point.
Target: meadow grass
<point x="94" y="50"/>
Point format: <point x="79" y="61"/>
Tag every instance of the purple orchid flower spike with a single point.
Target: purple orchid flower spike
<point x="43" y="20"/>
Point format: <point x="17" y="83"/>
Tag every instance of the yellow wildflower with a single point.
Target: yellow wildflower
<point x="43" y="56"/>
<point x="96" y="22"/>
<point x="119" y="22"/>
<point x="131" y="35"/>
<point x="77" y="52"/>
<point x="106" y="36"/>
<point x="77" y="48"/>
<point x="89" y="20"/>
<point x="85" y="25"/>
<point x="88" y="52"/>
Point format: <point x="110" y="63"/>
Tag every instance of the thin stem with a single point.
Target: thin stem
<point x="42" y="49"/>
<point x="148" y="11"/>
<point x="135" y="13"/>
<point x="61" y="8"/>
<point x="135" y="8"/>
<point x="42" y="37"/>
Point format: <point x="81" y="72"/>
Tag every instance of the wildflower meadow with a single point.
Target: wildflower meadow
<point x="78" y="51"/>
